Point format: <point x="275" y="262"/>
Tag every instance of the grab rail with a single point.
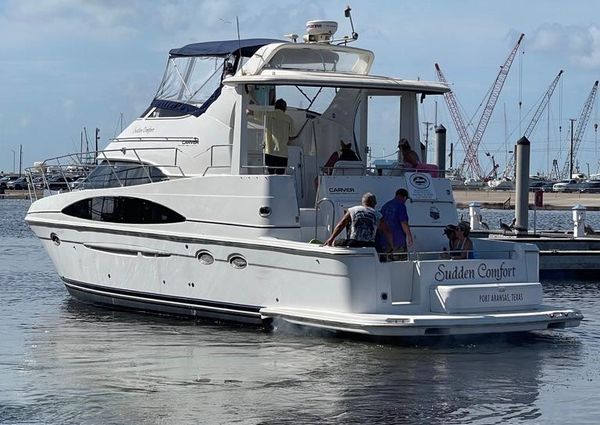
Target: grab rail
<point x="317" y="209"/>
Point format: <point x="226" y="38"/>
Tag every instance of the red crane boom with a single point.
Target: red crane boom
<point x="457" y="117"/>
<point x="471" y="145"/>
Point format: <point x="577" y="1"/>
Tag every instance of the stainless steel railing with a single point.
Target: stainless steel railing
<point x="66" y="167"/>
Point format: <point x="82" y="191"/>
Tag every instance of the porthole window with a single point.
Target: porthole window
<point x="264" y="211"/>
<point x="205" y="258"/>
<point x="54" y="238"/>
<point x="237" y="261"/>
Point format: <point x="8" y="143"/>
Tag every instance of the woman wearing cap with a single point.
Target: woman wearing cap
<point x="460" y="245"/>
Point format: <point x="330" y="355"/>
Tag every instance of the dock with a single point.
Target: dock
<point x="500" y="199"/>
<point x="562" y="255"/>
<point x="18" y="194"/>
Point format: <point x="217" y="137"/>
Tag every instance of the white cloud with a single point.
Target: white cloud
<point x="580" y="45"/>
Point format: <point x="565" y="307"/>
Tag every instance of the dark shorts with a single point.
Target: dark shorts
<point x="275" y="164"/>
<point x="353" y="243"/>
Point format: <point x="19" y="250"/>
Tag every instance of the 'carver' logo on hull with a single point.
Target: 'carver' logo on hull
<point x="341" y="190"/>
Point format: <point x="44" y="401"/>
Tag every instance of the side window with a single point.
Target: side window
<point x="121" y="209"/>
<point x="117" y="173"/>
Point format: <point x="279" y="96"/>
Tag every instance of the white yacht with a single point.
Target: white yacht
<point x="501" y="184"/>
<point x="179" y="214"/>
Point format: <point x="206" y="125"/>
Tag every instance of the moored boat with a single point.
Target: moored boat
<point x="182" y="214"/>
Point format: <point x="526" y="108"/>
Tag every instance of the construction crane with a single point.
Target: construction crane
<point x="471" y="161"/>
<point x="536" y="116"/>
<point x="457" y="117"/>
<point x="581" y="126"/>
<point x="491" y="103"/>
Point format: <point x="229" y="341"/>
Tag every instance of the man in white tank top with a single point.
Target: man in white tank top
<point x="364" y="221"/>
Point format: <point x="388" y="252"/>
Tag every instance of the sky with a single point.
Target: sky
<point x="70" y="64"/>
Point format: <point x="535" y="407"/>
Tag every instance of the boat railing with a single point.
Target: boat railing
<point x="182" y="140"/>
<point x="477" y="254"/>
<point x="356" y="168"/>
<point x="317" y="209"/>
<point x="211" y="152"/>
<point x="445" y="255"/>
<point x="68" y="167"/>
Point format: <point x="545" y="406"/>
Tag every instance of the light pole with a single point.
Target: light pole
<point x="571" y="160"/>
<point x="14" y="154"/>
<point x="427" y="124"/>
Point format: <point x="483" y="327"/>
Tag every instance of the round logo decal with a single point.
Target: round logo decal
<point x="420" y="181"/>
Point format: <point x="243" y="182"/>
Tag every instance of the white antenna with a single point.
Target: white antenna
<point x="237" y="23"/>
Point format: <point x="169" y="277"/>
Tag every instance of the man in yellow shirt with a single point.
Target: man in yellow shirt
<point x="278" y="130"/>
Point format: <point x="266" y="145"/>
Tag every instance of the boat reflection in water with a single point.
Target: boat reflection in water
<point x="183" y="216"/>
<point x="300" y="375"/>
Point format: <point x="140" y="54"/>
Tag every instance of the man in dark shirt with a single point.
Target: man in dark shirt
<point x="396" y="217"/>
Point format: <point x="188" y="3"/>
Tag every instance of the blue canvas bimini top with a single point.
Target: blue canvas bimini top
<point x="247" y="47"/>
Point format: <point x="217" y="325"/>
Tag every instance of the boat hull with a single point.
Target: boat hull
<point x="337" y="289"/>
<point x="542" y="318"/>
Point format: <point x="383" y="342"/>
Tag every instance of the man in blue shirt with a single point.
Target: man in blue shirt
<point x="396" y="217"/>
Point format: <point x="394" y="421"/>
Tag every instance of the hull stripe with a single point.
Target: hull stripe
<point x="266" y="245"/>
<point x="180" y="302"/>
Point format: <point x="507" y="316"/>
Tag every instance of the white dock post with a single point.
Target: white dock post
<point x="475" y="215"/>
<point x="578" y="221"/>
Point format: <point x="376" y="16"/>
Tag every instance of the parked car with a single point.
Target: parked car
<point x="4" y="181"/>
<point x="58" y="182"/>
<point x="590" y="186"/>
<point x="567" y="185"/>
<point x="18" y="184"/>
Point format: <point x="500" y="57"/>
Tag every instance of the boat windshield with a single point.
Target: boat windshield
<point x="319" y="60"/>
<point x="192" y="79"/>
